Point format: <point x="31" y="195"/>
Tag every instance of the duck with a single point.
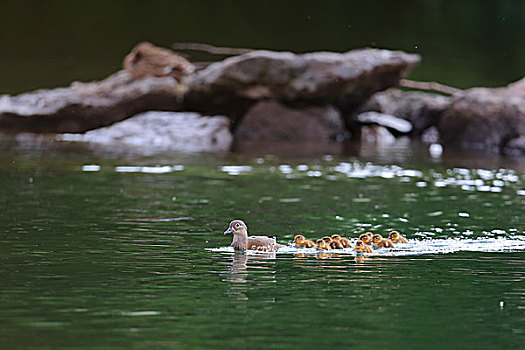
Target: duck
<point x="335" y="237"/>
<point x="321" y="244"/>
<point x="327" y="239"/>
<point x="241" y="240"/>
<point x="336" y="244"/>
<point x="302" y="242"/>
<point x="396" y="237"/>
<point x="361" y="247"/>
<point x="345" y="242"/>
<point x="366" y="238"/>
<point x="381" y="242"/>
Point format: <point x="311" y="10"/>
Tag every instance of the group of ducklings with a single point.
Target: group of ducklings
<point x="363" y="245"/>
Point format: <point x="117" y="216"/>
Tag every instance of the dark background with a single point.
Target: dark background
<point x="463" y="43"/>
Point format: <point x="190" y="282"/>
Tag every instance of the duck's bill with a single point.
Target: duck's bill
<point x="229" y="230"/>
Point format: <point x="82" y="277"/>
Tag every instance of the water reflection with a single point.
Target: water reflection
<point x="244" y="263"/>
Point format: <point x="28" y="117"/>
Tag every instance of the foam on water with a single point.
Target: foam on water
<point x="415" y="247"/>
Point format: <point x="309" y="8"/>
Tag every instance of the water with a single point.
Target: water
<point x="105" y="250"/>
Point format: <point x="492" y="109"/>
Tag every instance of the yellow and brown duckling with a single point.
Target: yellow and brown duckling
<point x="321" y="244"/>
<point x="396" y="237"/>
<point x="335" y="237"/>
<point x="302" y="242"/>
<point x="327" y="239"/>
<point x="241" y="240"/>
<point x="361" y="247"/>
<point x="366" y="238"/>
<point x="336" y="244"/>
<point x="381" y="242"/>
<point x="345" y="243"/>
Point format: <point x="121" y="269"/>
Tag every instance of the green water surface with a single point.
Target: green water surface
<point x="120" y="260"/>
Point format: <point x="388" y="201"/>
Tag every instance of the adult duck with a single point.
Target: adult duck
<point x="241" y="240"/>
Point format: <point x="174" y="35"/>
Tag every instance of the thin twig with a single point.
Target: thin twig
<point x="429" y="86"/>
<point x="215" y="50"/>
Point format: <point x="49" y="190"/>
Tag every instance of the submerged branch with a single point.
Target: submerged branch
<point x="429" y="86"/>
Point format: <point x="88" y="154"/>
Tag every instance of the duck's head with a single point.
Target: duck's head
<point x="237" y="227"/>
<point x="377" y="238"/>
<point x="359" y="245"/>
<point x="298" y="238"/>
<point x="393" y="235"/>
<point x="327" y="239"/>
<point x="335" y="237"/>
<point x="366" y="237"/>
<point x="320" y="243"/>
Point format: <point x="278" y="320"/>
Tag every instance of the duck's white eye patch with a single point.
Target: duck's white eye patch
<point x="237" y="225"/>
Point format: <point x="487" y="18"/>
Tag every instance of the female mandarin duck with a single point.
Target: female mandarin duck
<point x="381" y="242"/>
<point x="360" y="247"/>
<point x="300" y="241"/>
<point x="366" y="238"/>
<point x="396" y="237"/>
<point x="241" y="240"/>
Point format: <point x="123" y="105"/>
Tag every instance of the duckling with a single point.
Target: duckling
<point x="335" y="237"/>
<point x="336" y="244"/>
<point x="327" y="239"/>
<point x="362" y="248"/>
<point x="396" y="237"/>
<point x="366" y="238"/>
<point x="381" y="242"/>
<point x="321" y="244"/>
<point x="301" y="242"/>
<point x="241" y="240"/>
<point x="345" y="242"/>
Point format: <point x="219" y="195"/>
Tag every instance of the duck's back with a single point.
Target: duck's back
<point x="255" y="242"/>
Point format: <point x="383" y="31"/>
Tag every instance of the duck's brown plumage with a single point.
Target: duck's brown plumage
<point x="302" y="242"/>
<point x="381" y="242"/>
<point x="396" y="237"/>
<point x="241" y="240"/>
<point x="321" y="244"/>
<point x="366" y="238"/>
<point x="336" y="245"/>
<point x="362" y="248"/>
<point x="345" y="242"/>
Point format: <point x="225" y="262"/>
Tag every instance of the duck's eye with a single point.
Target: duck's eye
<point x="237" y="225"/>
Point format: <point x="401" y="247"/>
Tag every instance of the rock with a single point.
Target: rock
<point x="274" y="121"/>
<point x="484" y="118"/>
<point x="389" y="121"/>
<point x="163" y="131"/>
<point x="377" y="134"/>
<point x="430" y="135"/>
<point x="421" y="109"/>
<point x="85" y="106"/>
<point x="341" y="79"/>
<point x="515" y="146"/>
<point x="147" y="60"/>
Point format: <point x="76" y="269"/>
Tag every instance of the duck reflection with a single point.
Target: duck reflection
<point x="239" y="271"/>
